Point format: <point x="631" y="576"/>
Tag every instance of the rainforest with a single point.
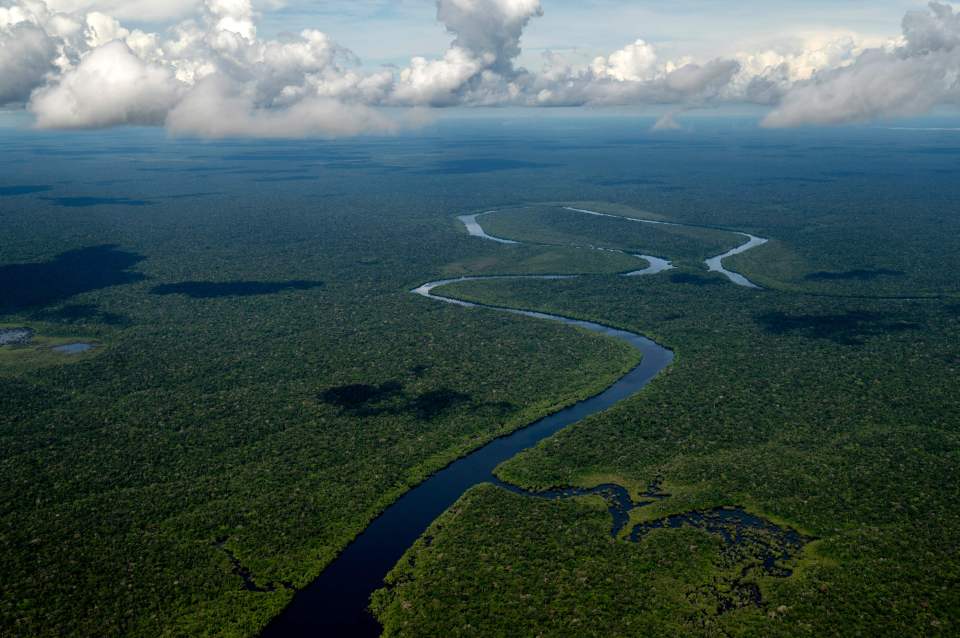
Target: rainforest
<point x="503" y="376"/>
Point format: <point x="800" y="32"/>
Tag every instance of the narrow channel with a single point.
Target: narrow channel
<point x="336" y="603"/>
<point x="714" y="264"/>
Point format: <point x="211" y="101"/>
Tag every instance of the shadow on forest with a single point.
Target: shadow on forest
<point x="844" y="173"/>
<point x="854" y="275"/>
<point x="86" y="202"/>
<point x="432" y="404"/>
<point x="419" y="370"/>
<point x="470" y="166"/>
<point x="694" y="280"/>
<point x="213" y="289"/>
<point x="361" y="398"/>
<point x="639" y="181"/>
<point x="391" y="398"/>
<point x="792" y="180"/>
<point x="287" y="178"/>
<point x="71" y="273"/>
<point x="79" y="313"/>
<point x="850" y="328"/>
<point x="191" y="195"/>
<point x="10" y="191"/>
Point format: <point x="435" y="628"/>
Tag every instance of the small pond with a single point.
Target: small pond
<point x="15" y="336"/>
<point x="74" y="348"/>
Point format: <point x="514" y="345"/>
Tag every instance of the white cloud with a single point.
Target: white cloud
<point x="438" y="82"/>
<point x="102" y="29"/>
<point x="878" y="85"/>
<point x="79" y="65"/>
<point x="233" y="17"/>
<point x="218" y="108"/>
<point x="478" y="68"/>
<point x="633" y="75"/>
<point x="489" y="29"/>
<point x="766" y="74"/>
<point x="26" y="57"/>
<point x="906" y="78"/>
<point x="633" y="63"/>
<point x="931" y="31"/>
<point x="111" y="86"/>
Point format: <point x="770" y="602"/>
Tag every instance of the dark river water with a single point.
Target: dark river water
<point x="335" y="604"/>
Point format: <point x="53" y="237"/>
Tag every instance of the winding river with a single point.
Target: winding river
<point x="336" y="603"/>
<point x="714" y="264"/>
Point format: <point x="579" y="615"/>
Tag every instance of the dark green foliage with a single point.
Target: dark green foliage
<point x="485" y="165"/>
<point x="432" y="404"/>
<point x="499" y="564"/>
<point x="850" y="328"/>
<point x="691" y="279"/>
<point x="211" y="289"/>
<point x="390" y="398"/>
<point x="201" y="421"/>
<point x="77" y="314"/>
<point x="839" y="418"/>
<point x="854" y="275"/>
<point x="556" y="225"/>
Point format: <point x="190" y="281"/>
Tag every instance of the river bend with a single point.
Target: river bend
<point x="336" y="603"/>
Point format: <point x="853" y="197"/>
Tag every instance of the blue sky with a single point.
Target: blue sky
<point x="390" y="31"/>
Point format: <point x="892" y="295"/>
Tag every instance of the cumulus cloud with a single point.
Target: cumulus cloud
<point x="218" y="107"/>
<point x="489" y="29"/>
<point x="111" y="86"/>
<point x="767" y="74"/>
<point x="74" y="63"/>
<point x="437" y="82"/>
<point x="633" y="63"/>
<point x="478" y="68"/>
<point x="907" y="78"/>
<point x="634" y="75"/>
<point x="26" y="57"/>
<point x="876" y="86"/>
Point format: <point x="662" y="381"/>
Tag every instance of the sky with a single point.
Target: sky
<point x="703" y="27"/>
<point x="330" y="68"/>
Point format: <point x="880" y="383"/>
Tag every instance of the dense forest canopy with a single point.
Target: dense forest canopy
<point x="262" y="382"/>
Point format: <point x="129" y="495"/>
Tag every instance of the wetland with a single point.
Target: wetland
<point x="268" y="386"/>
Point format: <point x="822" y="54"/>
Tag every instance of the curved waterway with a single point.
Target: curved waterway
<point x="656" y="265"/>
<point x="714" y="264"/>
<point x="336" y="603"/>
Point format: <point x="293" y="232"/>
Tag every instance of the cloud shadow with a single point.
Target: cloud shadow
<point x="24" y="286"/>
<point x="850" y="328"/>
<point x="214" y="289"/>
